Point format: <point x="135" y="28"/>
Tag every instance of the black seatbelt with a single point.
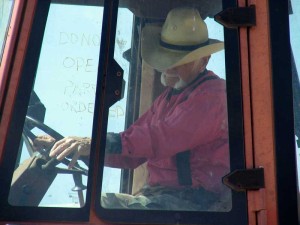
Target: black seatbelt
<point x="184" y="168"/>
<point x="183" y="158"/>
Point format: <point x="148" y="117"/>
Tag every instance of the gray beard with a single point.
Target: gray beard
<point x="179" y="85"/>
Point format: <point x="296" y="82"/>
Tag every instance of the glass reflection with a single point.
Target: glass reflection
<point x="177" y="146"/>
<point x="62" y="103"/>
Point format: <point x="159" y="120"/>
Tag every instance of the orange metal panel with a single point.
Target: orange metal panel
<point x="14" y="59"/>
<point x="262" y="108"/>
<point x="247" y="112"/>
<point x="9" y="46"/>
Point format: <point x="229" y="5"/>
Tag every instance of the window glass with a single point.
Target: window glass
<point x="5" y="14"/>
<point x="61" y="105"/>
<point x="170" y="132"/>
<point x="295" y="48"/>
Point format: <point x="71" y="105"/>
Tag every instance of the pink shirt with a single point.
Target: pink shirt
<point x="194" y="119"/>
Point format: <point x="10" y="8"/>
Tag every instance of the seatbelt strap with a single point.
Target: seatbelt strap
<point x="184" y="168"/>
<point x="183" y="164"/>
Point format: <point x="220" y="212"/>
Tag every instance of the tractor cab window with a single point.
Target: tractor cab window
<point x="6" y="7"/>
<point x="147" y="92"/>
<point x="175" y="145"/>
<point x="60" y="103"/>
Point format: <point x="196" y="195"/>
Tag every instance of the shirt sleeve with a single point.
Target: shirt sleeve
<point x="119" y="161"/>
<point x="129" y="162"/>
<point x="199" y="120"/>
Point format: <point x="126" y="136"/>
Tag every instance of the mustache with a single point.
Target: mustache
<point x="170" y="75"/>
<point x="164" y="78"/>
<point x="178" y="85"/>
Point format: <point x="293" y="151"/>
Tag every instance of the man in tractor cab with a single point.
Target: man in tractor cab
<point x="183" y="137"/>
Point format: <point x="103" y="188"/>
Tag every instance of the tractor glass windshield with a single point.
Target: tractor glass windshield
<point x="173" y="147"/>
<point x="61" y="105"/>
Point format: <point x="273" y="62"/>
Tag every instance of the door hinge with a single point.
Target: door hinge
<point x="237" y="17"/>
<point x="246" y="179"/>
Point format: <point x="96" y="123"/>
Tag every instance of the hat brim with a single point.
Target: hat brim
<point x="161" y="58"/>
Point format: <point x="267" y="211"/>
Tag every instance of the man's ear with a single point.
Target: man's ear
<point x="204" y="62"/>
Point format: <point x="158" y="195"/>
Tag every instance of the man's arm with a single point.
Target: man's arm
<point x="199" y="120"/>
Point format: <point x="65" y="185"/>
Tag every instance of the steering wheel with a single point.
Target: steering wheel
<point x="29" y="136"/>
<point x="32" y="179"/>
<point x="49" y="163"/>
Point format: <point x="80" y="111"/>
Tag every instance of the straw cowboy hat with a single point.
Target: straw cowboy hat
<point x="182" y="39"/>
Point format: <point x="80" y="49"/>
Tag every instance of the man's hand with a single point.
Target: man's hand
<point x="43" y="142"/>
<point x="79" y="146"/>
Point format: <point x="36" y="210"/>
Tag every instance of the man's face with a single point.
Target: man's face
<point x="181" y="76"/>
